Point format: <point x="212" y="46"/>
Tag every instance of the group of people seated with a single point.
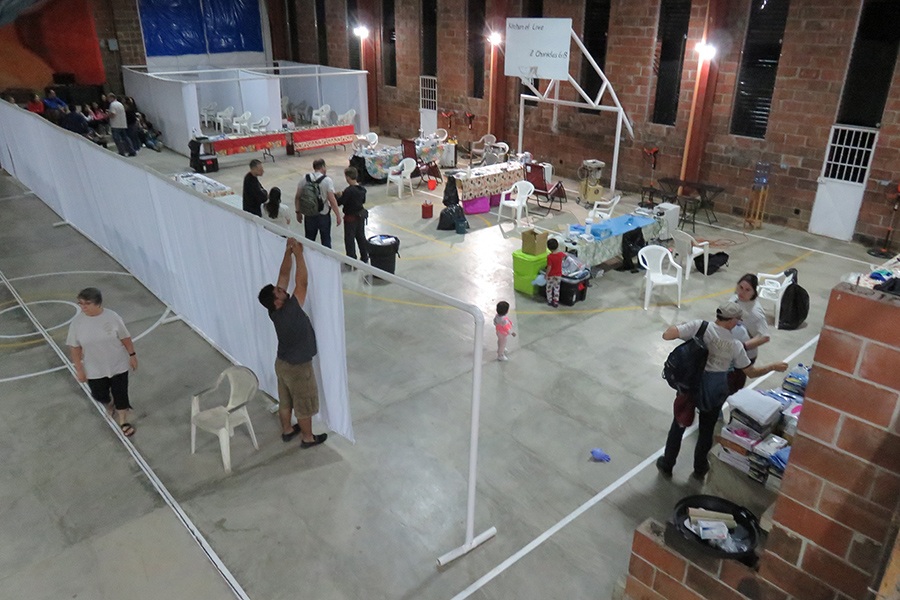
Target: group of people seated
<point x="93" y="121"/>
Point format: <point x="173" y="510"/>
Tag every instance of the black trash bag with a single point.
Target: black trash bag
<point x="632" y="242"/>
<point x="717" y="260"/>
<point x="451" y="196"/>
<point x="449" y="216"/>
<point x="794" y="304"/>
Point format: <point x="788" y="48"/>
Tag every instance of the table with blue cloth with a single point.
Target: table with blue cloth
<point x="379" y="162"/>
<point x="604" y="241"/>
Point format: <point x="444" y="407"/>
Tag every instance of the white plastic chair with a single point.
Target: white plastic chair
<point x="441" y="135"/>
<point x="222" y="420"/>
<point x="480" y="147"/>
<point x="372" y="139"/>
<point x="261" y="125"/>
<point x="322" y="115"/>
<point x="224" y="117"/>
<point x="603" y="209"/>
<point x="347" y="117"/>
<point x="208" y="113"/>
<point x="402" y="175"/>
<point x="772" y="287"/>
<point x="501" y="149"/>
<point x="687" y="248"/>
<point x="652" y="259"/>
<point x="523" y="190"/>
<point x="241" y="124"/>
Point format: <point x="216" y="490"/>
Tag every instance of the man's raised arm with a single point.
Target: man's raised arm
<point x="284" y="272"/>
<point x="301" y="276"/>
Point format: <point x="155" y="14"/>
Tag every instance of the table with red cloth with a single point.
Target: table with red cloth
<point x="320" y="137"/>
<point x="238" y="144"/>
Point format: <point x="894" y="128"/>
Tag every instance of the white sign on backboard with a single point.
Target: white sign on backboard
<point x="538" y="48"/>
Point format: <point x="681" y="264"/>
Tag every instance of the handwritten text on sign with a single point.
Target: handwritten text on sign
<point x="538" y="48"/>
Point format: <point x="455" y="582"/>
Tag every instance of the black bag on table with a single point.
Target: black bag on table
<point x="717" y="260"/>
<point x="794" y="305"/>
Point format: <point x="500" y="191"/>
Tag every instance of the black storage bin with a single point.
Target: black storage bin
<point x="383" y="250"/>
<point x="571" y="290"/>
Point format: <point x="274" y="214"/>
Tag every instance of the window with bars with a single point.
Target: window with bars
<point x="596" y="30"/>
<point x="388" y="43"/>
<point x="429" y="37"/>
<point x="321" y="32"/>
<point x="531" y="9"/>
<point x="671" y="38"/>
<point x="759" y="67"/>
<point x="477" y="41"/>
<point x="871" y="64"/>
<point x="849" y="154"/>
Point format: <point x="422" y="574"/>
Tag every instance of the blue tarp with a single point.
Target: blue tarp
<point x="177" y="27"/>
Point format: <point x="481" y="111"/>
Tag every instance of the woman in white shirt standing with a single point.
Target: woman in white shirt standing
<point x="753" y="329"/>
<point x="274" y="210"/>
<point x="102" y="352"/>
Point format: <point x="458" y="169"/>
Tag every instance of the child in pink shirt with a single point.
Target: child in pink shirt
<point x="504" y="326"/>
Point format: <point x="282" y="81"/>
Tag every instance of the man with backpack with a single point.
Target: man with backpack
<point x="711" y="392"/>
<point x="315" y="201"/>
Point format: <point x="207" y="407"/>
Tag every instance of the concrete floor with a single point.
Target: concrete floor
<point x="79" y="517"/>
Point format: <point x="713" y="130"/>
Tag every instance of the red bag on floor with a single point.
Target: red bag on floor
<point x="684" y="409"/>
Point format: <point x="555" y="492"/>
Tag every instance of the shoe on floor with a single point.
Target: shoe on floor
<point x="699" y="475"/>
<point x="503" y="358"/>
<point x="317" y="439"/>
<point x="663" y="468"/>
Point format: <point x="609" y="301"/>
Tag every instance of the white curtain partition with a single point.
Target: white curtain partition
<point x="317" y="85"/>
<point x="261" y="95"/>
<point x="169" y="104"/>
<point x="205" y="260"/>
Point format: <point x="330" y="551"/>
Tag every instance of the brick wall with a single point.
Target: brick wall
<point x="832" y="518"/>
<point x="118" y="19"/>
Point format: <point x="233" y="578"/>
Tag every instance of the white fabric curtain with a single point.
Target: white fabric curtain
<point x="205" y="260"/>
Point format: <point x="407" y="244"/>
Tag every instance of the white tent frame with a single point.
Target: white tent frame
<point x="553" y="86"/>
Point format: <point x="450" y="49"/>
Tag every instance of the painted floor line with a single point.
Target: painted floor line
<point x="158" y="485"/>
<point x="525" y="550"/>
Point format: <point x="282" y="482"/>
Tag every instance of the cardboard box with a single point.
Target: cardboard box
<point x="533" y="242"/>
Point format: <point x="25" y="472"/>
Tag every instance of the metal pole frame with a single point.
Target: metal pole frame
<point x="589" y="103"/>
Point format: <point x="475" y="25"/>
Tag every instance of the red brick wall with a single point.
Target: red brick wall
<point x="833" y="515"/>
<point x="118" y="19"/>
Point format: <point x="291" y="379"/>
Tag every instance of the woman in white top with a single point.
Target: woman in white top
<point x="102" y="352"/>
<point x="274" y="210"/>
<point x="754" y="317"/>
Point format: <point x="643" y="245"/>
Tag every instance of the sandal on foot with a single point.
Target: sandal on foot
<point x="317" y="439"/>
<point x="127" y="429"/>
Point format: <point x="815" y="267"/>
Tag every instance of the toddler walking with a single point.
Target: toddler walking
<point x="504" y="326"/>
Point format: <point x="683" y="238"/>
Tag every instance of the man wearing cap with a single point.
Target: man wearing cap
<point x="724" y="350"/>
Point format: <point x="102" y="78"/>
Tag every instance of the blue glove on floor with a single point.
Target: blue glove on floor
<point x="599" y="455"/>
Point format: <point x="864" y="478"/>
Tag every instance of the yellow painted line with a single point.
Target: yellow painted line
<point x="396" y="301"/>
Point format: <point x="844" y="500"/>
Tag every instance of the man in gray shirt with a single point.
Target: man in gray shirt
<point x="297" y="389"/>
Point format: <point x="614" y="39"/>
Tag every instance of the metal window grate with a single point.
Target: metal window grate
<point x="427" y="93"/>
<point x="849" y="153"/>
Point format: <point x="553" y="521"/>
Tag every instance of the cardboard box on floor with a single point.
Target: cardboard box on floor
<point x="534" y="243"/>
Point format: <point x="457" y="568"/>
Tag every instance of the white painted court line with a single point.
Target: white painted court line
<point x="211" y="555"/>
<point x="525" y="550"/>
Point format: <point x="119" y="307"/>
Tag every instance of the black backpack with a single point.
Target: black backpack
<point x="717" y="260"/>
<point x="794" y="305"/>
<point x="683" y="369"/>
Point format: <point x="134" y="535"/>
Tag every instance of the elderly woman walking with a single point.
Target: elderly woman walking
<point x="102" y="352"/>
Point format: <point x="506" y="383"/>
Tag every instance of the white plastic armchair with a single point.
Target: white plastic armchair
<point x="401" y="175"/>
<point x="372" y="139"/>
<point x="241" y="124"/>
<point x="481" y="146"/>
<point x="603" y="209"/>
<point x="208" y="113"/>
<point x="261" y="125"/>
<point x="771" y="289"/>
<point x="222" y="420"/>
<point x="687" y="248"/>
<point x="519" y="204"/>
<point x="441" y="134"/>
<point x="347" y="117"/>
<point x="223" y="117"/>
<point x="322" y="115"/>
<point x="660" y="267"/>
